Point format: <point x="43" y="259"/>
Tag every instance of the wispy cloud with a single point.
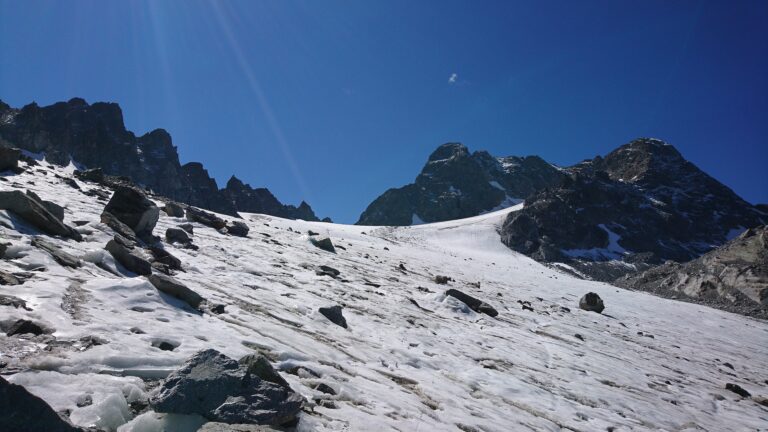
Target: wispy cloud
<point x="453" y="78"/>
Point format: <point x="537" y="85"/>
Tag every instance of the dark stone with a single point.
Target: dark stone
<point x="55" y="209"/>
<point x="442" y="280"/>
<point x="8" y="279"/>
<point x="176" y="289"/>
<point x="188" y="227"/>
<point x="325" y="388"/>
<point x="95" y="175"/>
<point x="36" y="214"/>
<point x="219" y="388"/>
<point x="130" y="259"/>
<point x="9" y="159"/>
<point x="132" y="207"/>
<point x="173" y="209"/>
<point x="258" y="365"/>
<point x="58" y="255"/>
<point x="24" y="412"/>
<point x="325" y="270"/>
<point x="205" y="218"/>
<point x="162" y="256"/>
<point x="23" y="326"/>
<point x="333" y="313"/>
<point x="176" y="235"/>
<point x="323" y="243"/>
<point x="238" y="228"/>
<point x="164" y="345"/>
<point x="120" y="228"/>
<point x="475" y="304"/>
<point x="738" y="390"/>
<point x="8" y="300"/>
<point x="591" y="302"/>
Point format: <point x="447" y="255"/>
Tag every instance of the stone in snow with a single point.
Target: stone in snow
<point x="132" y="207"/>
<point x="36" y="214"/>
<point x="128" y="257"/>
<point x="323" y="243"/>
<point x="23" y="411"/>
<point x="475" y="304"/>
<point x="591" y="302"/>
<point x="176" y="289"/>
<point x="333" y="313"/>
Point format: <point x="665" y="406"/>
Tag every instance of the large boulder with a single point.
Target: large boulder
<point x="120" y="228"/>
<point x="52" y="207"/>
<point x="9" y="158"/>
<point x="323" y="243"/>
<point x="173" y="209"/>
<point x="61" y="257"/>
<point x="176" y="235"/>
<point x="132" y="207"/>
<point x="22" y="411"/>
<point x="238" y="228"/>
<point x="220" y="389"/>
<point x="35" y="213"/>
<point x="475" y="304"/>
<point x="205" y="218"/>
<point x="176" y="289"/>
<point x="128" y="256"/>
<point x="591" y="302"/>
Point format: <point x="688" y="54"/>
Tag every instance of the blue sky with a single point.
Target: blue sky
<point x="336" y="101"/>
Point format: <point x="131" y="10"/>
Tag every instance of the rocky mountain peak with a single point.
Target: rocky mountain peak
<point x="448" y="151"/>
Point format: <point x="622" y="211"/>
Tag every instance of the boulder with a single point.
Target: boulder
<point x="8" y="300"/>
<point x="132" y="207"/>
<point x="164" y="257"/>
<point x="475" y="304"/>
<point x="739" y="390"/>
<point x="222" y="390"/>
<point x="205" y="218"/>
<point x="591" y="302"/>
<point x="176" y="289"/>
<point x="333" y="313"/>
<point x="9" y="158"/>
<point x="323" y="243"/>
<point x="52" y="207"/>
<point x="95" y="175"/>
<point x="173" y="209"/>
<point x="8" y="279"/>
<point x="120" y="228"/>
<point x="176" y="235"/>
<point x="238" y="228"/>
<point x="36" y="214"/>
<point x="59" y="255"/>
<point x="23" y="326"/>
<point x="188" y="227"/>
<point x="128" y="257"/>
<point x="258" y="365"/>
<point x="23" y="411"/>
<point x="324" y="270"/>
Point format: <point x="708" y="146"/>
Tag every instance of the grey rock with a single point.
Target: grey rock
<point x="188" y="227"/>
<point x="324" y="270"/>
<point x="176" y="235"/>
<point x="58" y="255"/>
<point x="55" y="209"/>
<point x="9" y="300"/>
<point x="225" y="427"/>
<point x="591" y="302"/>
<point x="8" y="278"/>
<point x="95" y="175"/>
<point x="129" y="258"/>
<point x="9" y="159"/>
<point x="23" y="326"/>
<point x="36" y="214"/>
<point x="205" y="218"/>
<point x="219" y="388"/>
<point x="334" y="314"/>
<point x="739" y="390"/>
<point x="120" y="228"/>
<point x="173" y="209"/>
<point x="475" y="304"/>
<point x="258" y="365"/>
<point x="164" y="257"/>
<point x="24" y="412"/>
<point x="238" y="228"/>
<point x="323" y="243"/>
<point x="132" y="207"/>
<point x="176" y="289"/>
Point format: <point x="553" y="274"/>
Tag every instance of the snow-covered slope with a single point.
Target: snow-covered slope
<point x="412" y="359"/>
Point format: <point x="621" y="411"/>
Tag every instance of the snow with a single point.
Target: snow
<point x="613" y="251"/>
<point x="398" y="366"/>
<point x="496" y="184"/>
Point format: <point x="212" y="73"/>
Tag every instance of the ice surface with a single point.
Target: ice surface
<point x="411" y="359"/>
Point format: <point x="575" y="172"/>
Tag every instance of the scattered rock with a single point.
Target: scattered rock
<point x="173" y="209"/>
<point x="325" y="388"/>
<point x="8" y="300"/>
<point x="312" y="233"/>
<point x="9" y="159"/>
<point x="59" y="255"/>
<point x="442" y="280"/>
<point x="84" y="400"/>
<point x="333" y="313"/>
<point x="36" y="214"/>
<point x="591" y="302"/>
<point x="95" y="175"/>
<point x="238" y="228"/>
<point x="23" y="326"/>
<point x="164" y="345"/>
<point x="219" y="388"/>
<point x="737" y="389"/>
<point x="136" y="330"/>
<point x="8" y="279"/>
<point x="323" y="243"/>
<point x="128" y="257"/>
<point x="124" y="230"/>
<point x="23" y="411"/>
<point x="176" y="235"/>
<point x="475" y="304"/>
<point x="176" y="289"/>
<point x="579" y="337"/>
<point x="217" y="309"/>
<point x="164" y="257"/>
<point x="728" y="365"/>
<point x="188" y="227"/>
<point x="205" y="218"/>
<point x="325" y="270"/>
<point x="132" y="207"/>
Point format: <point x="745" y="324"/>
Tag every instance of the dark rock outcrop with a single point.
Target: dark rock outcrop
<point x="205" y="218"/>
<point x="33" y="211"/>
<point x="9" y="159"/>
<point x="94" y="135"/>
<point x="456" y="184"/>
<point x="132" y="207"/>
<point x="128" y="256"/>
<point x="220" y="389"/>
<point x="591" y="302"/>
<point x="334" y="315"/>
<point x="733" y="277"/>
<point x="23" y="412"/>
<point x="176" y="235"/>
<point x="237" y="228"/>
<point x="323" y="243"/>
<point x="174" y="288"/>
<point x="261" y="200"/>
<point x="475" y="304"/>
<point x="23" y="326"/>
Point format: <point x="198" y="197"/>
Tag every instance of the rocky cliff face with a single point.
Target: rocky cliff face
<point x="734" y="276"/>
<point x="641" y="204"/>
<point x="94" y="135"/>
<point x="455" y="184"/>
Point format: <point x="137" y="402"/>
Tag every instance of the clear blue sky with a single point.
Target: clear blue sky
<point x="336" y="101"/>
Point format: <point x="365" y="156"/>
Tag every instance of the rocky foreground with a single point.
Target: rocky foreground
<point x="125" y="311"/>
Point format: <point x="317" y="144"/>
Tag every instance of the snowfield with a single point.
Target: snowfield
<point x="412" y="359"/>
